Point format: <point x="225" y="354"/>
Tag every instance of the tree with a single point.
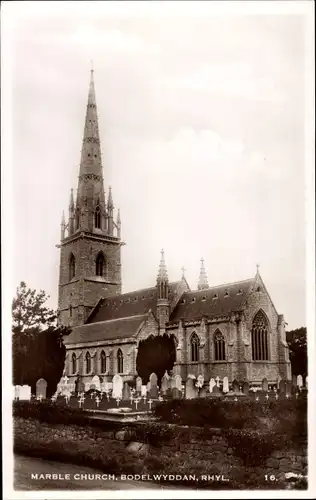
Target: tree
<point x="297" y="341"/>
<point x="37" y="345"/>
<point x="155" y="355"/>
<point x="29" y="312"/>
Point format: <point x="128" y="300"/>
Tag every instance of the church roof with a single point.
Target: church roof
<point x="215" y="301"/>
<point x="106" y="330"/>
<point x="128" y="304"/>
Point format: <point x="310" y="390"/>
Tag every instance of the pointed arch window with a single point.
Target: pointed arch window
<point x="97" y="218"/>
<point x="259" y="337"/>
<point x="219" y="346"/>
<point x="88" y="362"/>
<point x="100" y="265"/>
<point x="195" y="347"/>
<point x="103" y="362"/>
<point x="119" y="361"/>
<point x="74" y="363"/>
<point x="72" y="266"/>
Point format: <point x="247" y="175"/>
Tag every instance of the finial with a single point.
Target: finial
<point x="162" y="273"/>
<point x="118" y="216"/>
<point x="183" y="271"/>
<point x="63" y="218"/>
<point x="110" y="200"/>
<point x="202" y="283"/>
<point x="257" y="266"/>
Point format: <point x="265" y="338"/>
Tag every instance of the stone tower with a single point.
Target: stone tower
<point x="162" y="295"/>
<point x="90" y="247"/>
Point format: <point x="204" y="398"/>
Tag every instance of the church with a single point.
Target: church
<point x="231" y="330"/>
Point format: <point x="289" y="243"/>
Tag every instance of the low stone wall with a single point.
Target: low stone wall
<point x="214" y="448"/>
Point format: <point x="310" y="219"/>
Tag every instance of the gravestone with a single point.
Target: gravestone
<point x="278" y="381"/>
<point x="190" y="389"/>
<point x="126" y="392"/>
<point x="17" y="390"/>
<point x="225" y="385"/>
<point x="143" y="391"/>
<point x="41" y="388"/>
<point x="203" y="392"/>
<point x="282" y="386"/>
<point x="200" y="381"/>
<point x="306" y="382"/>
<point x="235" y="386"/>
<point x="153" y="391"/>
<point x="25" y="393"/>
<point x="81" y="386"/>
<point x="176" y="393"/>
<point x="165" y="383"/>
<point x="294" y="380"/>
<point x="212" y="384"/>
<point x="265" y="385"/>
<point x="139" y="383"/>
<point x="172" y="382"/>
<point x="96" y="382"/>
<point x="178" y="382"/>
<point x="216" y="389"/>
<point x="117" y="382"/>
<point x="245" y="388"/>
<point x="299" y="381"/>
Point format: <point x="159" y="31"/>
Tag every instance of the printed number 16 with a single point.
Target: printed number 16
<point x="270" y="478"/>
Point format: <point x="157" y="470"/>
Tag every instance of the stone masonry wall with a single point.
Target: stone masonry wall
<point x="215" y="448"/>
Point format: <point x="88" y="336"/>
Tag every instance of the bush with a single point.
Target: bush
<point x="283" y="416"/>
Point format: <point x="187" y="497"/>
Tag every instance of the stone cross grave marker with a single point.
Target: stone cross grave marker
<point x="299" y="381"/>
<point x="117" y="386"/>
<point x="265" y="385"/>
<point x="225" y="385"/>
<point x="126" y="392"/>
<point x="217" y="380"/>
<point x="190" y="389"/>
<point x="143" y="391"/>
<point x="165" y="383"/>
<point x="153" y="391"/>
<point x="25" y="393"/>
<point x="41" y="388"/>
<point x="245" y="388"/>
<point x="212" y="384"/>
<point x="96" y="382"/>
<point x="139" y="384"/>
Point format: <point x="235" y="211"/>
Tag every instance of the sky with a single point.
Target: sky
<point x="201" y="119"/>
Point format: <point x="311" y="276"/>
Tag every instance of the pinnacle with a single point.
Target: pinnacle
<point x="162" y="272"/>
<point x="203" y="282"/>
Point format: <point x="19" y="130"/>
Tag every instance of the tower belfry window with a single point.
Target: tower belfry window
<point x="100" y="265"/>
<point x="97" y="218"/>
<point x="72" y="267"/>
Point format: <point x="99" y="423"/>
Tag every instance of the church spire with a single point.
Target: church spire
<point x="91" y="153"/>
<point x="162" y="272"/>
<point x="202" y="283"/>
